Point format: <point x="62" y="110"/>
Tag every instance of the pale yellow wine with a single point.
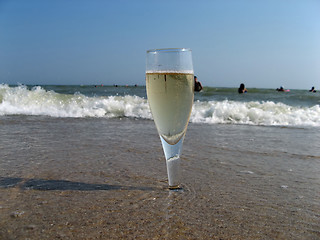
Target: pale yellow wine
<point x="170" y="97"/>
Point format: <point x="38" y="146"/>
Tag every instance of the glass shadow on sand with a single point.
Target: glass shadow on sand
<point x="47" y="185"/>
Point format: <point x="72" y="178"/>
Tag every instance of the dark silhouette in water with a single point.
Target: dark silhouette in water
<point x="242" y="89"/>
<point x="312" y="90"/>
<point x="197" y="85"/>
<point x="281" y="89"/>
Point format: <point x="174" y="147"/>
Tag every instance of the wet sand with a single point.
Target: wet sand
<point x="106" y="179"/>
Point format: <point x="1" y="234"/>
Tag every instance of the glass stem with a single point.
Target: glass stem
<point x="172" y="154"/>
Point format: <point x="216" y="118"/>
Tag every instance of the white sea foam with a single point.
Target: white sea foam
<point x="22" y="101"/>
<point x="255" y="113"/>
<point x="247" y="171"/>
<point x="37" y="101"/>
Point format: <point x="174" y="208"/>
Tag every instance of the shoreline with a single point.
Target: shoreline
<point x="106" y="179"/>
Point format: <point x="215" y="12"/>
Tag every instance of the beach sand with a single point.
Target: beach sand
<point x="93" y="178"/>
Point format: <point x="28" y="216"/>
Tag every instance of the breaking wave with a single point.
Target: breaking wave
<point x="20" y="100"/>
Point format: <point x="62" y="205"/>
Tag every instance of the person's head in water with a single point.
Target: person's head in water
<point x="242" y="88"/>
<point x="312" y="90"/>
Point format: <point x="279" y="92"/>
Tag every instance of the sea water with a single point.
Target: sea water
<point x="261" y="107"/>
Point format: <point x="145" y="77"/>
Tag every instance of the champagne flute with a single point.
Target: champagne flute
<point x="170" y="91"/>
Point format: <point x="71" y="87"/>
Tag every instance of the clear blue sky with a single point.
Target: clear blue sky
<point x="264" y="44"/>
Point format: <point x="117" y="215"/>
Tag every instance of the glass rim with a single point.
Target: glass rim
<point x="169" y="50"/>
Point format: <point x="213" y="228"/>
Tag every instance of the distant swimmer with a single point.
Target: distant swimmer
<point x="197" y="85"/>
<point x="242" y="89"/>
<point x="312" y="90"/>
<point x="281" y="89"/>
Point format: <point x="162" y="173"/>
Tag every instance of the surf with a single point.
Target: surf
<point x="263" y="113"/>
<point x="37" y="101"/>
<point x="110" y="103"/>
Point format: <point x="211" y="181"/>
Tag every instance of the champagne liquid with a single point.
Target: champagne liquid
<point x="170" y="97"/>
